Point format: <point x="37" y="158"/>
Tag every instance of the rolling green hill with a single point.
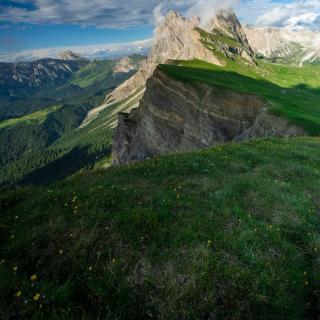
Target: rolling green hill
<point x="226" y="233"/>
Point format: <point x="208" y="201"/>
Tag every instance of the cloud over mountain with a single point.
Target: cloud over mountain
<point x="121" y="14"/>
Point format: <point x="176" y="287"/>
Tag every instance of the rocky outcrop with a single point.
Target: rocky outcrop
<point x="174" y="116"/>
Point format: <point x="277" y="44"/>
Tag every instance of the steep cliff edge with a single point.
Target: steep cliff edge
<point x="176" y="116"/>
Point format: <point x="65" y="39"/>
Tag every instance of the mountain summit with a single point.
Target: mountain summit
<point x="178" y="38"/>
<point x="70" y="56"/>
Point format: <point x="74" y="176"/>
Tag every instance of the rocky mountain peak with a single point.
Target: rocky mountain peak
<point x="226" y="22"/>
<point x="70" y="56"/>
<point x="180" y="38"/>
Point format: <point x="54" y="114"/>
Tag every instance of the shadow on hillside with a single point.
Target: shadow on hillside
<point x="298" y="103"/>
<point x="61" y="168"/>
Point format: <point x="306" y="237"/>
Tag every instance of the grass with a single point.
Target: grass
<point x="225" y="233"/>
<point x="291" y="92"/>
<point x="36" y="117"/>
<point x="95" y="71"/>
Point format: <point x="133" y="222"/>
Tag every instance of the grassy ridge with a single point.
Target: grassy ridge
<point x="291" y="92"/>
<point x="225" y="233"/>
<point x="35" y="117"/>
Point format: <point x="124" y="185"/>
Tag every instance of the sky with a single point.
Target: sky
<point x="100" y="27"/>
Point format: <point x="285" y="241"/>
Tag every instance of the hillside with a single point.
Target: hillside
<point x="226" y="233"/>
<point x="47" y="145"/>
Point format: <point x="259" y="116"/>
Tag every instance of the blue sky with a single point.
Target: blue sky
<point x="33" y="24"/>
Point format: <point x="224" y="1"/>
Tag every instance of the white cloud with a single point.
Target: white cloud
<point x="127" y="14"/>
<point x="91" y="52"/>
<point x="295" y="15"/>
<point x="109" y="13"/>
<point x="206" y="9"/>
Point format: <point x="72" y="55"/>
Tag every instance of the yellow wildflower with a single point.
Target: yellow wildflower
<point x="306" y="283"/>
<point x="18" y="294"/>
<point x="15" y="269"/>
<point x="33" y="277"/>
<point x="36" y="297"/>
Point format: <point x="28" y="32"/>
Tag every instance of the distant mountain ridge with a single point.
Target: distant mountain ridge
<point x="293" y="46"/>
<point x="46" y="81"/>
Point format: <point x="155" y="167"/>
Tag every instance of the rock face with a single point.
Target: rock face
<point x="294" y="46"/>
<point x="227" y="23"/>
<point x="174" y="116"/>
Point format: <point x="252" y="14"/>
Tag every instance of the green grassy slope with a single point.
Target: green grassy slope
<point x="226" y="233"/>
<point x="55" y="149"/>
<point x="291" y="92"/>
<point x="36" y="117"/>
<point x="47" y="145"/>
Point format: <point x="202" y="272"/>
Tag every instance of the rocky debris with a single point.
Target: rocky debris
<point x="268" y="125"/>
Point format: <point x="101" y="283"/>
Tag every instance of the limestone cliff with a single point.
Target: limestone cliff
<point x="175" y="116"/>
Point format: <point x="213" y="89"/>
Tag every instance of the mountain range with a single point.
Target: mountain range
<point x="289" y="46"/>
